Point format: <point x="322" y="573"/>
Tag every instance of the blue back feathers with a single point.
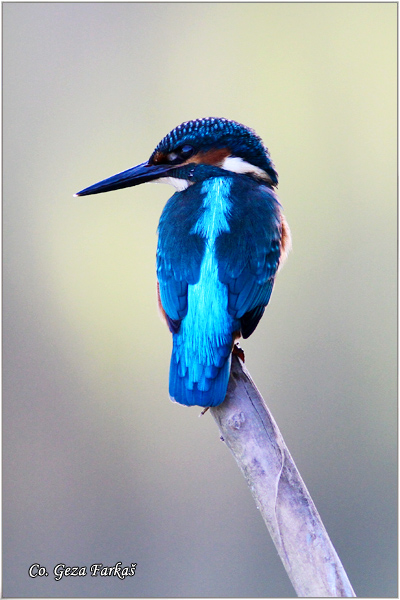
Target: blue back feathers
<point x="217" y="256"/>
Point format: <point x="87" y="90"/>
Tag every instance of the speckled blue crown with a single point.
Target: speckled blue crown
<point x="212" y="132"/>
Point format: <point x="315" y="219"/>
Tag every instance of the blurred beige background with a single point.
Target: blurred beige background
<point x="99" y="465"/>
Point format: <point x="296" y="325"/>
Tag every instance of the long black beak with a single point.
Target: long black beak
<point x="139" y="174"/>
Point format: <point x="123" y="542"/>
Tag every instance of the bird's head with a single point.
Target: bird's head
<point x="209" y="142"/>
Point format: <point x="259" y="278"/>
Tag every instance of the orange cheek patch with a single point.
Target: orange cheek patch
<point x="212" y="157"/>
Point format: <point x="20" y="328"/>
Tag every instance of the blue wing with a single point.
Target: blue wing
<point x="179" y="254"/>
<point x="248" y="255"/>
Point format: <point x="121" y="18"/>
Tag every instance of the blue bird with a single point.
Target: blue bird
<point x="222" y="239"/>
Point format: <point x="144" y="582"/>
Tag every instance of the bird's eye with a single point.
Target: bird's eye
<point x="186" y="151"/>
<point x="180" y="154"/>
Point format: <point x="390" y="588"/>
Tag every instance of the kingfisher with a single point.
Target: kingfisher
<point x="222" y="238"/>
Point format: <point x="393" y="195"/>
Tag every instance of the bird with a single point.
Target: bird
<point x="222" y="237"/>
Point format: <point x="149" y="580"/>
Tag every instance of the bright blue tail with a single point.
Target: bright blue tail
<point x="192" y="383"/>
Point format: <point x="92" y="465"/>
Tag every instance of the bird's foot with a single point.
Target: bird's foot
<point x="238" y="351"/>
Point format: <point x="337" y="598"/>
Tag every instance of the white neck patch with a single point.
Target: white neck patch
<point x="238" y="165"/>
<point x="178" y="184"/>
